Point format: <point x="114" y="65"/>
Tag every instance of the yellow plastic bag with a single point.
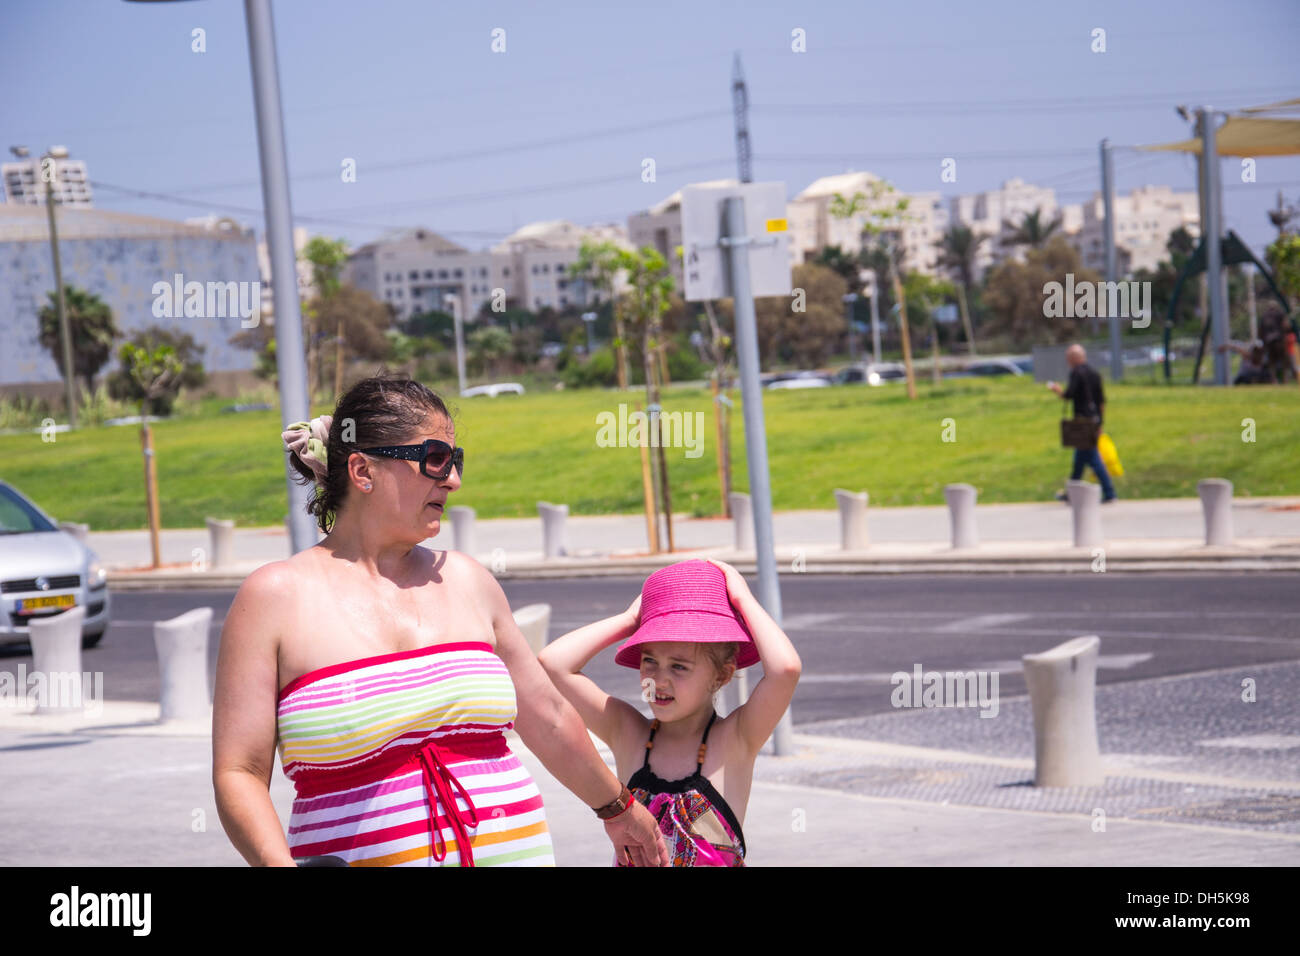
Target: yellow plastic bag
<point x="1109" y="456"/>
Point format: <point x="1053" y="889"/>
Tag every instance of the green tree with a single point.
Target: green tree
<point x="808" y="337"/>
<point x="489" y="347"/>
<point x="91" y="326"/>
<point x="958" y="249"/>
<point x="886" y="214"/>
<point x="1031" y="231"/>
<point x="1283" y="256"/>
<point x="600" y="263"/>
<point x="1015" y="295"/>
<point x="327" y="257"/>
<point x="127" y="383"/>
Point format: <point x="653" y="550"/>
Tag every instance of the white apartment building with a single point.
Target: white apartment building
<point x="23" y="183"/>
<point x="1143" y="221"/>
<point x="811" y="225"/>
<point x="417" y="270"/>
<point x="989" y="213"/>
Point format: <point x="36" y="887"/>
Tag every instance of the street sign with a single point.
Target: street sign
<point x="946" y="313"/>
<point x="705" y="269"/>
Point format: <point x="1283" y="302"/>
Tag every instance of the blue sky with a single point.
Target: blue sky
<point x="472" y="143"/>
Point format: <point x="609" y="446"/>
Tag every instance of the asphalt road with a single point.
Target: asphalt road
<point x="854" y="632"/>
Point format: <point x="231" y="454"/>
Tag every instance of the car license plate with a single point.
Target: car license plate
<point x="28" y="605"/>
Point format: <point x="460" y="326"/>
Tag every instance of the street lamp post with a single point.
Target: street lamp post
<point x="52" y="156"/>
<point x="295" y="405"/>
<point x="868" y="279"/>
<point x="454" y="302"/>
<point x="850" y="301"/>
<point x="589" y="318"/>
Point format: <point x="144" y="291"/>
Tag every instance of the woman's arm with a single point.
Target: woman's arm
<point x="552" y="730"/>
<point x="769" y="700"/>
<point x="611" y="719"/>
<point x="244" y="719"/>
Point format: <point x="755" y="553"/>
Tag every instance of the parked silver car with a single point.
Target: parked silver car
<point x="45" y="570"/>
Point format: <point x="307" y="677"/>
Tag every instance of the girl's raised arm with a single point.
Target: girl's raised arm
<point x="770" y="698"/>
<point x="608" y="717"/>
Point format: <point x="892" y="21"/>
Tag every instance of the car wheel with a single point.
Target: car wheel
<point x="90" y="640"/>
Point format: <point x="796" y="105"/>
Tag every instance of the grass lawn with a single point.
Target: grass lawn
<point x="544" y="446"/>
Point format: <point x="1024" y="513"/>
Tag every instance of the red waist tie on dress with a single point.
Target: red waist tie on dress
<point x="432" y="757"/>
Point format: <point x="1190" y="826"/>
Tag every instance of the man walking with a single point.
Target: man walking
<point x="1084" y="388"/>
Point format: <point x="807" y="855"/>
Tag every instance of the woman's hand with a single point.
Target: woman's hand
<point x="636" y="837"/>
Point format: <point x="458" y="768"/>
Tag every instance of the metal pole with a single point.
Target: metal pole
<point x="1108" y="198"/>
<point x="1213" y="253"/>
<point x="460" y="341"/>
<point x="1248" y="271"/>
<point x="64" y="333"/>
<point x="289" y="360"/>
<point x="850" y="301"/>
<point x="875" y="319"/>
<point x="760" y="491"/>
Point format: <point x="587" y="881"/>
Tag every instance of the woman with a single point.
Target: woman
<point x="385" y="673"/>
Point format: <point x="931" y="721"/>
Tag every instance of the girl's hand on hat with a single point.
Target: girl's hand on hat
<point x="737" y="587"/>
<point x="634" y="612"/>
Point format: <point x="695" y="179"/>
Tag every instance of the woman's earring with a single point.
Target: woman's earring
<point x="366" y="487"/>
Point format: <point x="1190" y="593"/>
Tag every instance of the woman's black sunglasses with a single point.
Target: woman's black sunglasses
<point x="436" y="458"/>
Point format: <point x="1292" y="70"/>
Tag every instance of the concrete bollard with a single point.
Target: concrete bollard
<point x="553" y="528"/>
<point x="1062" y="691"/>
<point x="462" y="528"/>
<point x="56" y="654"/>
<point x="182" y="645"/>
<point x="961" y="515"/>
<point x="76" y="529"/>
<point x="535" y="622"/>
<point x="221" y="534"/>
<point x="853" y="519"/>
<point x="1216" y="504"/>
<point x="1085" y="504"/>
<point x="742" y="520"/>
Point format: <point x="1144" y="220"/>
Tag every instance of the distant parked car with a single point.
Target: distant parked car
<point x="492" y="391"/>
<point x="997" y="366"/>
<point x="871" y="374"/>
<point x="784" y="380"/>
<point x="44" y="571"/>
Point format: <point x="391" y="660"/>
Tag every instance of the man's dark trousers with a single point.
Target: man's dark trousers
<point x="1092" y="458"/>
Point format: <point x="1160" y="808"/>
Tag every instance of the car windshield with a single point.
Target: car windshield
<point x="17" y="516"/>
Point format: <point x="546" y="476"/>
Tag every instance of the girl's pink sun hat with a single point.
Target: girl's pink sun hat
<point x="688" y="602"/>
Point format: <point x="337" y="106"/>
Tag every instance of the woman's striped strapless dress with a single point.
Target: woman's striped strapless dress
<point x="401" y="760"/>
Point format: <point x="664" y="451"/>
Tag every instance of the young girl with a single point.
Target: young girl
<point x="693" y="625"/>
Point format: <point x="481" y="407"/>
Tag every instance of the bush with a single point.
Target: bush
<point x="123" y="388"/>
<point x="597" y="372"/>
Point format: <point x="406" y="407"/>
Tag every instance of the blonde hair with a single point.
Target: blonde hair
<point x="719" y="654"/>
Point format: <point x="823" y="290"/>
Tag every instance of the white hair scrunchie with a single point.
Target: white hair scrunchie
<point x="308" y="440"/>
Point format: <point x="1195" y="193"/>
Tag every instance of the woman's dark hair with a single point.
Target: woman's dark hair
<point x="375" y="411"/>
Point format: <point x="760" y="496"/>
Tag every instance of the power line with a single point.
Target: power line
<point x="569" y="185"/>
<point x="947" y="106"/>
<point x="257" y="212"/>
<point x="484" y="153"/>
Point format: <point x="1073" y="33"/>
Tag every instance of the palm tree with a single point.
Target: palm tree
<point x="91" y="326"/>
<point x="1032" y="231"/>
<point x="957" y="252"/>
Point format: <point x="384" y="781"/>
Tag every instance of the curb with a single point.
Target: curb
<point x="1080" y="562"/>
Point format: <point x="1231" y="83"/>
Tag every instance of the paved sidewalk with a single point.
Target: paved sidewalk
<point x="1148" y="535"/>
<point x="118" y="789"/>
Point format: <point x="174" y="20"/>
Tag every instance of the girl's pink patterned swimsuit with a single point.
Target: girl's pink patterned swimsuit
<point x="699" y="827"/>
